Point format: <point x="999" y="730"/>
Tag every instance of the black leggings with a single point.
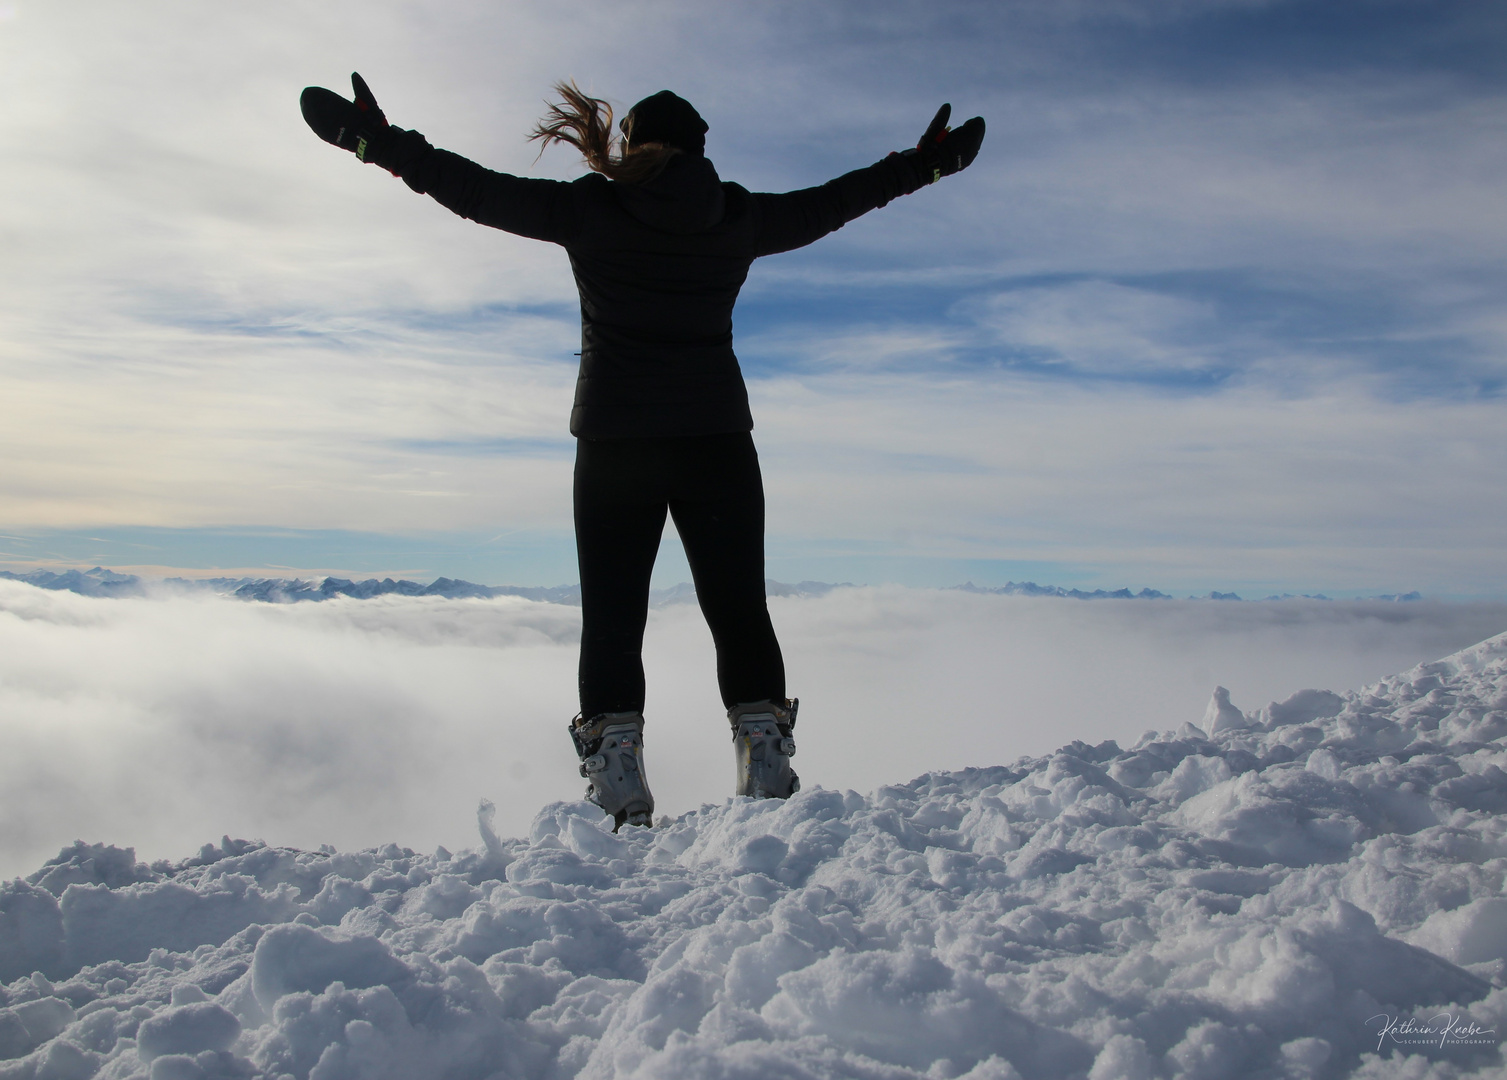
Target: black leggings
<point x="711" y="486"/>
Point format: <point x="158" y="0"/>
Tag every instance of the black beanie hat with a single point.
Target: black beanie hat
<point x="666" y="118"/>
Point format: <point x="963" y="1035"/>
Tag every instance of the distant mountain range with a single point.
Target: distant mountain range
<point x="1030" y="588"/>
<point x="102" y="582"/>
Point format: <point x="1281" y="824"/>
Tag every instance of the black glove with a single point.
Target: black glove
<point x="943" y="151"/>
<point x="360" y="126"/>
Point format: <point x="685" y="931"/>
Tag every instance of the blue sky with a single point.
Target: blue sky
<point x="1220" y="305"/>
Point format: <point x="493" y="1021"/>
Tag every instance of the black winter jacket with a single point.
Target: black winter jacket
<point x="658" y="266"/>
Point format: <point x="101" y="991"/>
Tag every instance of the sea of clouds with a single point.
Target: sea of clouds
<point x="1311" y="889"/>
<point x="167" y="721"/>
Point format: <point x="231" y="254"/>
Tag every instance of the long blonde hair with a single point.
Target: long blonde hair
<point x="585" y="122"/>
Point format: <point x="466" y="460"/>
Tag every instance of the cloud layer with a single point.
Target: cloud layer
<point x="164" y="723"/>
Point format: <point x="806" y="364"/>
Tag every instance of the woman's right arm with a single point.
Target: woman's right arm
<point x="797" y="218"/>
<point x="540" y="209"/>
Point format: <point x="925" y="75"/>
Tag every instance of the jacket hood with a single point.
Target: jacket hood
<point x="686" y="197"/>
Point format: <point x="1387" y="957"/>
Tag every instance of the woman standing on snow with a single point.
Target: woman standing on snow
<point x="660" y="247"/>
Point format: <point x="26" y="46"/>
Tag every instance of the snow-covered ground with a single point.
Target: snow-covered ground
<point x="1312" y="889"/>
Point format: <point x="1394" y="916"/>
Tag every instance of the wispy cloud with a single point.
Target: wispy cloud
<point x="1099" y="327"/>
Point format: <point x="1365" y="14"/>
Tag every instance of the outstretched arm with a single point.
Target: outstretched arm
<point x="541" y="209"/>
<point x="796" y="218"/>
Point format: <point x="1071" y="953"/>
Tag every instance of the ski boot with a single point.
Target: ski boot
<point x="762" y="743"/>
<point x="611" y="748"/>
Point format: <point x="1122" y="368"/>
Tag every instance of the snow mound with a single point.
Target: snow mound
<point x="1314" y="889"/>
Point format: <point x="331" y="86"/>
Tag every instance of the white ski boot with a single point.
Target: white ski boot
<point x="763" y="745"/>
<point x="611" y="747"/>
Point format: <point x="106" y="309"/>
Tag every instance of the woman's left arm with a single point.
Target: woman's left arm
<point x="540" y="209"/>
